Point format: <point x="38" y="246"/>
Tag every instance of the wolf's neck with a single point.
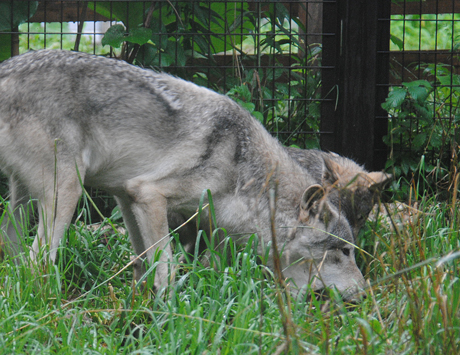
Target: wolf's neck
<point x="266" y="162"/>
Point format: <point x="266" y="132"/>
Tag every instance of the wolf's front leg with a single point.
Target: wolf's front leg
<point x="145" y="215"/>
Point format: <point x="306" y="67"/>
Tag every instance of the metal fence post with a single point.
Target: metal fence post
<point x="359" y="66"/>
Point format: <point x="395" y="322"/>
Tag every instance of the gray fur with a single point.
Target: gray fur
<point x="156" y="142"/>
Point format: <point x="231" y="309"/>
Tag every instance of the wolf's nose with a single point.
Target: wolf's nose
<point x="355" y="297"/>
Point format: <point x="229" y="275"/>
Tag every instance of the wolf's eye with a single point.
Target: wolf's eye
<point x="346" y="251"/>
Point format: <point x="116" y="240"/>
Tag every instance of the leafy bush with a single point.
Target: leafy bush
<point x="423" y="126"/>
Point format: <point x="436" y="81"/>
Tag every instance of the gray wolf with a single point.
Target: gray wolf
<point x="156" y="142"/>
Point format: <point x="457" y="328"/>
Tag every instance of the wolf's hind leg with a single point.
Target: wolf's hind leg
<point x="16" y="217"/>
<point x="56" y="205"/>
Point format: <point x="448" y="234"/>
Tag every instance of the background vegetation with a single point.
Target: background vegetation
<point x="424" y="114"/>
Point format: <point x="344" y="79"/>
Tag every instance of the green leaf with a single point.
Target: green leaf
<point x="375" y="325"/>
<point x="224" y="18"/>
<point x="147" y="56"/>
<point x="248" y="106"/>
<point x="202" y="14"/>
<point x="436" y="140"/>
<point x="258" y="115"/>
<point x="233" y="26"/>
<point x="417" y="83"/>
<point x="159" y="34"/>
<point x="405" y="167"/>
<point x="5" y="46"/>
<point x="418" y="93"/>
<point x="424" y="113"/>
<point x="419" y="140"/>
<point x="22" y="11"/>
<point x="414" y="165"/>
<point x="419" y="90"/>
<point x="240" y="93"/>
<point x="114" y="36"/>
<point x="389" y="163"/>
<point x="281" y="12"/>
<point x="445" y="79"/>
<point x="131" y="13"/>
<point x="176" y="51"/>
<point x="165" y="60"/>
<point x="140" y="35"/>
<point x="395" y="98"/>
<point x="312" y="143"/>
<point x="397" y="41"/>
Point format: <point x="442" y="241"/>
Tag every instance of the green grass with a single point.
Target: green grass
<point x="79" y="306"/>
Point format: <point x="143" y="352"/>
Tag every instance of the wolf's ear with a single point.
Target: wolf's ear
<point x="350" y="175"/>
<point x="310" y="198"/>
<point x="332" y="171"/>
<point x="378" y="180"/>
<point x="311" y="205"/>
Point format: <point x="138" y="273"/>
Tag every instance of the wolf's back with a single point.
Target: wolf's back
<point x="97" y="83"/>
<point x="112" y="116"/>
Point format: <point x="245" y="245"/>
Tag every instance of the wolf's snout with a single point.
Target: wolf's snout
<point x="354" y="296"/>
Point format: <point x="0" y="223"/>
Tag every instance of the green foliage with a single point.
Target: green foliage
<point x="423" y="125"/>
<point x="51" y="35"/>
<point x="129" y="12"/>
<point x="193" y="28"/>
<point x="424" y="32"/>
<point x="243" y="96"/>
<point x="12" y="14"/>
<point x="424" y="114"/>
<point x="22" y="12"/>
<point x="281" y="106"/>
<point x="116" y="35"/>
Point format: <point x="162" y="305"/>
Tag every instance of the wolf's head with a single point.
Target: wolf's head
<point x="321" y="249"/>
